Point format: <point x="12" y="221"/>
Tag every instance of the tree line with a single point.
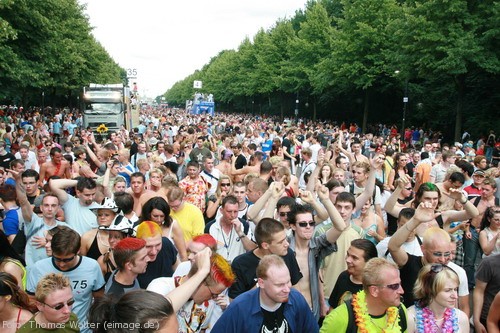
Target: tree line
<point x="47" y="53"/>
<point x="353" y="60"/>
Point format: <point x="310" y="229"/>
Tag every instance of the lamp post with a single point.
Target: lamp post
<point x="297" y="108"/>
<point x="43" y="100"/>
<point x="405" y="103"/>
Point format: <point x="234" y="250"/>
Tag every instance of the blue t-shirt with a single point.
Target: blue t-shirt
<point x="11" y="221"/>
<point x="86" y="278"/>
<point x="56" y="127"/>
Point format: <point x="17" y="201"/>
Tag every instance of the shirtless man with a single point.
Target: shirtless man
<point x="137" y="190"/>
<point x="471" y="239"/>
<point x="303" y="242"/>
<point x="238" y="174"/>
<point x="57" y="166"/>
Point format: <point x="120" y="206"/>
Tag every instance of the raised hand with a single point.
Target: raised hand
<point x="323" y="193"/>
<point x="424" y="212"/>
<point x="306" y="196"/>
<point x="403" y="181"/>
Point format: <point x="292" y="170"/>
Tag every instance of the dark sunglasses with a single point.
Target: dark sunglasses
<point x="225" y="184"/>
<point x="305" y="224"/>
<point x="63" y="260"/>
<point x="394" y="286"/>
<point x="441" y="254"/>
<point x="283" y="214"/>
<point x="59" y="306"/>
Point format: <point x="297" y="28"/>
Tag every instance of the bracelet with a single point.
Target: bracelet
<point x="242" y="236"/>
<point x="463" y="203"/>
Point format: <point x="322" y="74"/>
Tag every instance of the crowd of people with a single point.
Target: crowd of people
<point x="241" y="223"/>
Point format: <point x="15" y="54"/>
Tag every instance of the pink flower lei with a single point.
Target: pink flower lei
<point x="426" y="323"/>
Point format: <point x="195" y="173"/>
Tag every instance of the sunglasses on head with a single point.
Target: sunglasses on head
<point x="59" y="306"/>
<point x="305" y="224"/>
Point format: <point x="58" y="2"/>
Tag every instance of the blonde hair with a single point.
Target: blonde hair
<point x="50" y="283"/>
<point x="429" y="283"/>
<point x="373" y="271"/>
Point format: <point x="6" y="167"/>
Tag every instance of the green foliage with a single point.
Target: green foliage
<point x="50" y="48"/>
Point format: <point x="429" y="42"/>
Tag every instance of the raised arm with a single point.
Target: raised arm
<point x="180" y="295"/>
<point x="321" y="212"/>
<point x="470" y="211"/>
<point x="376" y="164"/>
<point x="277" y="190"/>
<point x="59" y="186"/>
<point x="424" y="213"/>
<point x="22" y="199"/>
<point x="392" y="206"/>
<point x="338" y="222"/>
<point x="254" y="210"/>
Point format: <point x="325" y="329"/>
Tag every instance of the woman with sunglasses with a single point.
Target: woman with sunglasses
<point x="14" y="304"/>
<point x="224" y="188"/>
<point x="436" y="294"/>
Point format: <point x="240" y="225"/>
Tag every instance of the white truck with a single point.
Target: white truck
<point x="107" y="104"/>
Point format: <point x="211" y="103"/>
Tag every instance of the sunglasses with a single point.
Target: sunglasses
<point x="394" y="286"/>
<point x="59" y="306"/>
<point x="283" y="214"/>
<point x="441" y="254"/>
<point x="305" y="224"/>
<point x="63" y="260"/>
<point x="225" y="184"/>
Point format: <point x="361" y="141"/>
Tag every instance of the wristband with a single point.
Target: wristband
<point x="242" y="236"/>
<point x="463" y="203"/>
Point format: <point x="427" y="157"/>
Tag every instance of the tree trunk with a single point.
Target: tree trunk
<point x="365" y="112"/>
<point x="281" y="107"/>
<point x="315" y="110"/>
<point x="460" y="86"/>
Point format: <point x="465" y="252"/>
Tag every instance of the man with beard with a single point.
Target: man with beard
<point x="272" y="307"/>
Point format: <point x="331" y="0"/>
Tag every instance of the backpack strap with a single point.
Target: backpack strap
<point x="351" y="321"/>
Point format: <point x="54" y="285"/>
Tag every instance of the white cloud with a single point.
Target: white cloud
<point x="168" y="40"/>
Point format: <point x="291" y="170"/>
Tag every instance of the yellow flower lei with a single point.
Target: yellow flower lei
<point x="363" y="317"/>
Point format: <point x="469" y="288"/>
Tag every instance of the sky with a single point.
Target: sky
<point x="167" y="40"/>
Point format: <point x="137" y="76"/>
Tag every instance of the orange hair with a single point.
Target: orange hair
<point x="206" y="239"/>
<point x="148" y="229"/>
<point x="220" y="270"/>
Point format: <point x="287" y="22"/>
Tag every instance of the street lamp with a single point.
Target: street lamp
<point x="297" y="107"/>
<point x="43" y="100"/>
<point x="405" y="103"/>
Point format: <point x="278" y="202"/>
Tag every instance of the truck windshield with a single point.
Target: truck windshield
<point x="114" y="108"/>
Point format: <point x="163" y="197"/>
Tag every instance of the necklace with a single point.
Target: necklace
<point x="228" y="243"/>
<point x="100" y="241"/>
<point x="365" y="322"/>
<point x="426" y="323"/>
